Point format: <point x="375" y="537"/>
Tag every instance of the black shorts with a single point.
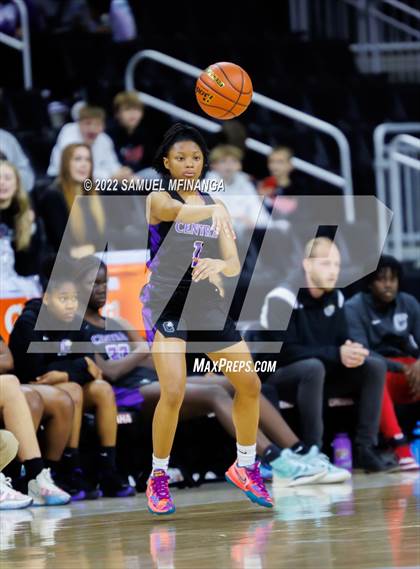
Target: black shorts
<point x="175" y="322"/>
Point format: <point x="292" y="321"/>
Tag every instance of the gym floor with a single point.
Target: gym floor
<point x="374" y="522"/>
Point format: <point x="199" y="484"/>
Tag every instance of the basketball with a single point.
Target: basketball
<point x="224" y="90"/>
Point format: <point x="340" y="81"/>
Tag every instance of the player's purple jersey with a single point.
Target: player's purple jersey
<point x="175" y="247"/>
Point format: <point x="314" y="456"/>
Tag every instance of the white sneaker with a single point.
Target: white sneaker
<point x="408" y="463"/>
<point x="44" y="491"/>
<point x="290" y="469"/>
<point x="334" y="474"/>
<point x="11" y="499"/>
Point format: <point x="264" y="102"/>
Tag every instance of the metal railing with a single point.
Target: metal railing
<point x="397" y="172"/>
<point x="342" y="180"/>
<point x="401" y="60"/>
<point x="385" y="34"/>
<point x="23" y="45"/>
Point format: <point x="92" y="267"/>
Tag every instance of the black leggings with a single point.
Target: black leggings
<point x="302" y="383"/>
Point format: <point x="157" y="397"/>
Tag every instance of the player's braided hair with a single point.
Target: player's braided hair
<point x="179" y="132"/>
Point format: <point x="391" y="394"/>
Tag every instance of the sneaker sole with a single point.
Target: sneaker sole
<point x="16" y="505"/>
<point x="250" y="495"/>
<point x="51" y="501"/>
<point x="172" y="511"/>
<point x="303" y="480"/>
<point x="335" y="478"/>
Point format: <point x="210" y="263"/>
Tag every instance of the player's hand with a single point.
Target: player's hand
<point x="93" y="369"/>
<point x="52" y="378"/>
<point x="222" y="221"/>
<point x="206" y="268"/>
<point x="216" y="280"/>
<point x="353" y="354"/>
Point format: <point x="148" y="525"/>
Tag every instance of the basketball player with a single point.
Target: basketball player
<point x="175" y="219"/>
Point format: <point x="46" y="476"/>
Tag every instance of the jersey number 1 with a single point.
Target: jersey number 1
<point x="198" y="247"/>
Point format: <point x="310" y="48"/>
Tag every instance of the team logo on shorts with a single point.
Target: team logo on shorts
<point x="329" y="310"/>
<point x="65" y="347"/>
<point x="400" y="322"/>
<point x="169" y="327"/>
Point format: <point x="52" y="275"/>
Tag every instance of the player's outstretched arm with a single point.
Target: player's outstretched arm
<point x="161" y="207"/>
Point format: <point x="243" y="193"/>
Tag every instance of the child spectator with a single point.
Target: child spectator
<point x="19" y="227"/>
<point x="279" y="189"/>
<point x="11" y="150"/>
<point x="242" y="200"/>
<point x="127" y="131"/>
<point x="387" y="322"/>
<point x="89" y="130"/>
<point x="317" y="350"/>
<point x="69" y="371"/>
<point x="42" y="491"/>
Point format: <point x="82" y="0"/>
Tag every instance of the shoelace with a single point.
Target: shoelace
<point x="48" y="478"/>
<point x="160" y="486"/>
<point x="6" y="481"/>
<point x="255" y="475"/>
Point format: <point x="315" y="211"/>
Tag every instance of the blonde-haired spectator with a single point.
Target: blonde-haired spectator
<point x="19" y="226"/>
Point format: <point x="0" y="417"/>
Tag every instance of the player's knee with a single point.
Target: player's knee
<point x="375" y="369"/>
<point x="313" y="369"/>
<point x="173" y="395"/>
<point x="35" y="402"/>
<point x="101" y="391"/>
<point x="250" y="386"/>
<point x="9" y="384"/>
<point x="63" y="404"/>
<point x="75" y="392"/>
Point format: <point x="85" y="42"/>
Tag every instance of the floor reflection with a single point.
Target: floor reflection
<point x="162" y="546"/>
<point x="372" y="523"/>
<point x="249" y="551"/>
<point x="313" y="502"/>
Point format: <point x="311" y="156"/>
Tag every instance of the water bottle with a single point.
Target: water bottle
<point x="123" y="24"/>
<point x="342" y="451"/>
<point x="415" y="445"/>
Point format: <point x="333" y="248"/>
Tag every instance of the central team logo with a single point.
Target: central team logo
<point x="169" y="327"/>
<point x="329" y="310"/>
<point x="400" y="322"/>
<point x="65" y="347"/>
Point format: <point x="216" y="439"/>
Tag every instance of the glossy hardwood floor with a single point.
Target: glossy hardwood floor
<point x="372" y="523"/>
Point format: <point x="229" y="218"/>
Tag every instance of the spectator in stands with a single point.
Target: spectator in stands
<point x="125" y="361"/>
<point x="89" y="130"/>
<point x="42" y="491"/>
<point x="317" y="350"/>
<point x="244" y="204"/>
<point x="127" y="132"/>
<point x="387" y="322"/>
<point x="280" y="184"/>
<point x="76" y="375"/>
<point x="18" y="223"/>
<point x="11" y="150"/>
<point x="87" y="221"/>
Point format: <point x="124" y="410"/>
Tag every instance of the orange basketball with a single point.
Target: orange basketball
<point x="224" y="90"/>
